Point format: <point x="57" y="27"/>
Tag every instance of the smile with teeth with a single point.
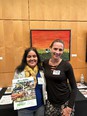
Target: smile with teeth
<point x="56" y="54"/>
<point x="32" y="61"/>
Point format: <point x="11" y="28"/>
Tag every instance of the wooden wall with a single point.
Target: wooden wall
<point x="17" y="17"/>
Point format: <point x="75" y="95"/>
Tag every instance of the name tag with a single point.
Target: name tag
<point x="40" y="81"/>
<point x="56" y="72"/>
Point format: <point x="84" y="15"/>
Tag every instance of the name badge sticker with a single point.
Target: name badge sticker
<point x="40" y="81"/>
<point x="56" y="72"/>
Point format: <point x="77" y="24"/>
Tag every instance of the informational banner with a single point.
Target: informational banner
<point x="25" y="89"/>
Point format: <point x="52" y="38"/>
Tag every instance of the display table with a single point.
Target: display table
<point x="6" y="110"/>
<point x="80" y="106"/>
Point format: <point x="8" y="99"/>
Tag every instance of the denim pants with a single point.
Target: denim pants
<point x="38" y="112"/>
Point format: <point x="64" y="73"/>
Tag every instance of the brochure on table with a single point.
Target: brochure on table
<point x="5" y="99"/>
<point x="84" y="92"/>
<point x="24" y="86"/>
<point x="8" y="90"/>
<point x="82" y="88"/>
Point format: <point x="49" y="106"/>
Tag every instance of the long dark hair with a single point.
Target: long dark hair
<point x="21" y="67"/>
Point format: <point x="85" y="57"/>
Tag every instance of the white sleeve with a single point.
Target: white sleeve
<point x="19" y="75"/>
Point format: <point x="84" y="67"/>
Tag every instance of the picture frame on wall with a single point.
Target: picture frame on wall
<point x="41" y="40"/>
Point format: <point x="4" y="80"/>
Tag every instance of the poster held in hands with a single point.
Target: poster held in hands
<point x="26" y="90"/>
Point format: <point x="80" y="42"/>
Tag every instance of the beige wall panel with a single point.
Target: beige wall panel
<point x="6" y="79"/>
<point x="2" y="41"/>
<point x="9" y="59"/>
<point x="13" y="9"/>
<point x="8" y="33"/>
<point x="0" y="8"/>
<point x="2" y="62"/>
<point x="81" y="44"/>
<point x="21" y="33"/>
<point x="58" y="9"/>
<point x="14" y="39"/>
<point x="78" y="73"/>
<point x="85" y="74"/>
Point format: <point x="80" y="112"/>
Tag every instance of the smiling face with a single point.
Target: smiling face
<point x="57" y="50"/>
<point x="32" y="59"/>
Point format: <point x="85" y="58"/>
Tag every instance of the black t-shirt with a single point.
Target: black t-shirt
<point x="58" y="82"/>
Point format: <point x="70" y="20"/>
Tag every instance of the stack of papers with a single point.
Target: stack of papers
<point x="81" y="86"/>
<point x="5" y="99"/>
<point x="84" y="92"/>
<point x="8" y="90"/>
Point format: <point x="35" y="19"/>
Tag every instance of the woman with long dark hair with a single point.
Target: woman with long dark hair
<point x="31" y="66"/>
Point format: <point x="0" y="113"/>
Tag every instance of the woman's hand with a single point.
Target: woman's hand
<point x="66" y="111"/>
<point x="14" y="96"/>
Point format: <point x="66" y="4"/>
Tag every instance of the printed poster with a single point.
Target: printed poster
<point x="24" y="86"/>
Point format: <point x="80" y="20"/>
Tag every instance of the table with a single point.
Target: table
<point x="6" y="110"/>
<point x="80" y="105"/>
